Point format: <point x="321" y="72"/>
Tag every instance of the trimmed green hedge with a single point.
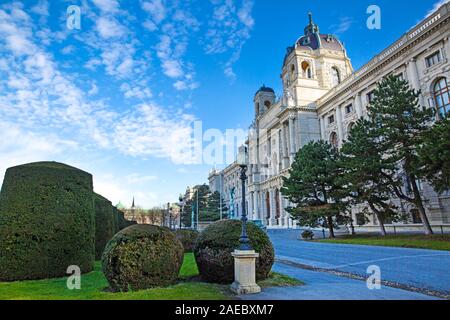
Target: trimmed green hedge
<point x="115" y="220"/>
<point x="104" y="224"/>
<point x="46" y="221"/>
<point x="216" y="243"/>
<point x="124" y="223"/>
<point x="141" y="257"/>
<point x="187" y="238"/>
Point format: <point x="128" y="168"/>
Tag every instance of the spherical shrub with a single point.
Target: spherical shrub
<point x="104" y="224"/>
<point x="46" y="221"/>
<point x="308" y="235"/>
<point x="142" y="257"/>
<point x="216" y="243"/>
<point x="187" y="238"/>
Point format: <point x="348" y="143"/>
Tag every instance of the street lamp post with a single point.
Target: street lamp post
<point x="245" y="257"/>
<point x="244" y="241"/>
<point x="181" y="199"/>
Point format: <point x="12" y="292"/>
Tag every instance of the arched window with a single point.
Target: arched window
<point x="335" y="76"/>
<point x="442" y="96"/>
<point x="334" y="140"/>
<point x="267" y="205"/>
<point x="267" y="104"/>
<point x="292" y="73"/>
<point x="306" y="68"/>
<point x="277" y="204"/>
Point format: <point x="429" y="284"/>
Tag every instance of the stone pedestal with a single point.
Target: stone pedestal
<point x="245" y="272"/>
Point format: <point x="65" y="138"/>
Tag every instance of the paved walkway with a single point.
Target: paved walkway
<point x="323" y="286"/>
<point x="426" y="269"/>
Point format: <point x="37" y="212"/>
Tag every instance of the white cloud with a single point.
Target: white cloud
<point x="115" y="189"/>
<point x="136" y="178"/>
<point x="177" y="25"/>
<point x="172" y="68"/>
<point x="229" y="29"/>
<point x="109" y="28"/>
<point x="94" y="90"/>
<point x="68" y="49"/>
<point x="245" y="14"/>
<point x="436" y="6"/>
<point x="343" y="26"/>
<point x="151" y="130"/>
<point x="156" y="9"/>
<point x="18" y="146"/>
<point x="108" y="6"/>
<point x="41" y="8"/>
<point x="140" y="92"/>
<point x="150" y="25"/>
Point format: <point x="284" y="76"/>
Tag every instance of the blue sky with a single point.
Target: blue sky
<point x="118" y="97"/>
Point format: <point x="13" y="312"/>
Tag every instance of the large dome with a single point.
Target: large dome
<point x="313" y="39"/>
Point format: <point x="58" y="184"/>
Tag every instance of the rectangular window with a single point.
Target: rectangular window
<point x="331" y="119"/>
<point x="435" y="58"/>
<point x="370" y="96"/>
<point x="349" y="109"/>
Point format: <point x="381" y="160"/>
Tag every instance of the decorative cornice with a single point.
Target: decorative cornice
<point x="397" y="49"/>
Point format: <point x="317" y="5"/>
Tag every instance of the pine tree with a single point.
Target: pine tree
<point x="398" y="122"/>
<point x="199" y="204"/>
<point x="312" y="187"/>
<point x="214" y="203"/>
<point x="434" y="155"/>
<point x="363" y="169"/>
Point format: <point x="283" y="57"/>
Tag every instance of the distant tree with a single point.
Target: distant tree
<point x="155" y="215"/>
<point x="186" y="213"/>
<point x="214" y="205"/>
<point x="363" y="175"/>
<point x="198" y="203"/>
<point x="399" y="122"/>
<point x="434" y="154"/>
<point x="312" y="187"/>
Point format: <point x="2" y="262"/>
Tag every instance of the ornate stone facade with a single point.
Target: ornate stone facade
<point x="323" y="97"/>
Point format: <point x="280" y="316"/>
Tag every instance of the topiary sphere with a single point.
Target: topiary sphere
<point x="142" y="257"/>
<point x="46" y="221"/>
<point x="216" y="243"/>
<point x="187" y="238"/>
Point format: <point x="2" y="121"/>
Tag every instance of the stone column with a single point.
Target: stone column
<point x="283" y="213"/>
<point x="250" y="213"/>
<point x="291" y="139"/>
<point x="262" y="201"/>
<point x="298" y="138"/>
<point x="286" y="155"/>
<point x="339" y="122"/>
<point x="271" y="205"/>
<point x="358" y="105"/>
<point x="413" y="77"/>
<point x="255" y="205"/>
<point x="322" y="127"/>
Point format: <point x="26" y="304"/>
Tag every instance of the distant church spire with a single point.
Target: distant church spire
<point x="311" y="27"/>
<point x="132" y="205"/>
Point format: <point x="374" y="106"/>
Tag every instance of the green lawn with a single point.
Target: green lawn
<point x="434" y="242"/>
<point x="94" y="283"/>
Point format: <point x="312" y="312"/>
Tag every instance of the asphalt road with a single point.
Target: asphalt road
<point x="425" y="269"/>
<point x="324" y="286"/>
